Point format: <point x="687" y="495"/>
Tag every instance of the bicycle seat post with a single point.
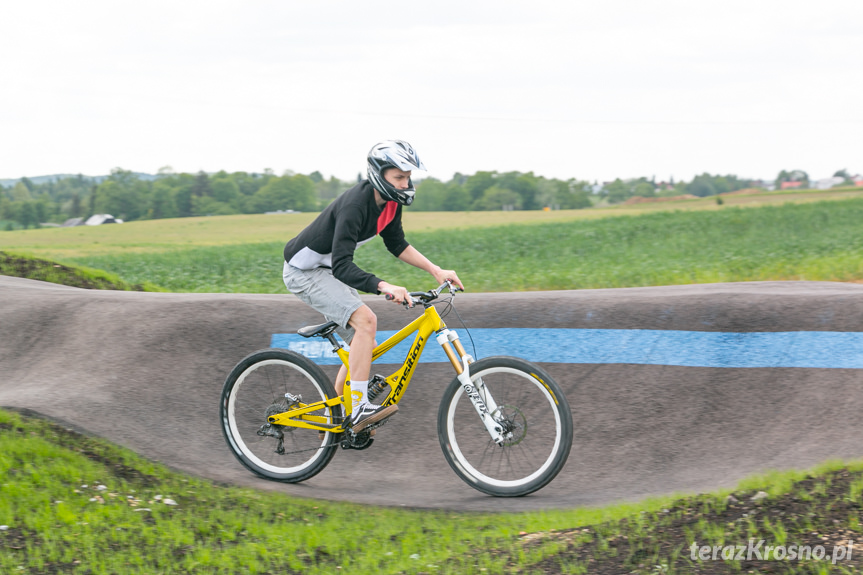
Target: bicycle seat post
<point x="332" y="338"/>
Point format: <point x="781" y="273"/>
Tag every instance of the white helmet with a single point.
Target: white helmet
<point x="393" y="154"/>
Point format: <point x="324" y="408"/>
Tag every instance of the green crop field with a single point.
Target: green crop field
<point x="168" y="234"/>
<point x="756" y="239"/>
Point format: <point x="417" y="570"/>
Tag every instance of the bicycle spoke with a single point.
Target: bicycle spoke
<point x="536" y="429"/>
<point x="256" y="390"/>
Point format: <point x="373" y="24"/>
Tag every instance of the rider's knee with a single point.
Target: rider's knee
<point x="364" y="320"/>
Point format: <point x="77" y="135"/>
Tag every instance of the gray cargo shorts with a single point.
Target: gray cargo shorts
<point x="321" y="290"/>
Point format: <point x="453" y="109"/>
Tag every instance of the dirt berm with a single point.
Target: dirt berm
<point x="145" y="370"/>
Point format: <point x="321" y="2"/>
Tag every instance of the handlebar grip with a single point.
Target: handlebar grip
<point x="391" y="297"/>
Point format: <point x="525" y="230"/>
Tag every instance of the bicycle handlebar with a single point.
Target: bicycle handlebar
<point x="425" y="297"/>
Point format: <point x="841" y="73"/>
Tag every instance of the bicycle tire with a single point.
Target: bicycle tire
<point x="539" y="423"/>
<point x="256" y="388"/>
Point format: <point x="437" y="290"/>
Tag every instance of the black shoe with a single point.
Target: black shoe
<point x="369" y="413"/>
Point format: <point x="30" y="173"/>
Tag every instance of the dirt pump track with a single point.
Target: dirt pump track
<point x="145" y="370"/>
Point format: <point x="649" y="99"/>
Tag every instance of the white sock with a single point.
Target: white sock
<point x="359" y="393"/>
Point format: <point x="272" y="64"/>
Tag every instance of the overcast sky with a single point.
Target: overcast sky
<point x="591" y="90"/>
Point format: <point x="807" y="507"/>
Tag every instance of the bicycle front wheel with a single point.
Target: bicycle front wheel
<point x="256" y="389"/>
<point x="537" y="424"/>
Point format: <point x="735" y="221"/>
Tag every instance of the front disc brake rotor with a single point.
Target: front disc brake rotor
<point x="514" y="423"/>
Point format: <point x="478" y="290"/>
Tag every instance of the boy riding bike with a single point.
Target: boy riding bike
<point x="319" y="266"/>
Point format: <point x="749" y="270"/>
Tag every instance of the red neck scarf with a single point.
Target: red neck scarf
<point x="387" y="215"/>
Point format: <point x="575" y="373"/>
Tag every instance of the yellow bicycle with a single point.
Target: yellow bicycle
<point x="504" y="424"/>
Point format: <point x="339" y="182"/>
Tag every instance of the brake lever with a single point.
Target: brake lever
<point x="408" y="303"/>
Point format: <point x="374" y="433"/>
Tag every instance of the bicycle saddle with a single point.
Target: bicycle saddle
<point x="320" y="330"/>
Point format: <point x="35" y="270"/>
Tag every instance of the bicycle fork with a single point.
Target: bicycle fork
<point x="479" y="396"/>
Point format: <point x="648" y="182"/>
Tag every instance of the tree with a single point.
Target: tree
<point x="285" y="193"/>
<point x="498" y="198"/>
<point x="75" y="209"/>
<point x="644" y="189"/>
<point x="224" y="189"/>
<point x="430" y="196"/>
<point x="843" y="173"/>
<point x="525" y="185"/>
<point x="201" y="187"/>
<point x="575" y="196"/>
<point x="617" y="191"/>
<point x="7" y="211"/>
<point x="20" y="193"/>
<point x="162" y="201"/>
<point x="207" y="206"/>
<point x="478" y="183"/>
<point x="328" y="190"/>
<point x="123" y="177"/>
<point x="26" y="214"/>
<point x="119" y="201"/>
<point x="702" y="186"/>
<point x="249" y="183"/>
<point x="456" y="199"/>
<point x="792" y="176"/>
<point x="91" y="200"/>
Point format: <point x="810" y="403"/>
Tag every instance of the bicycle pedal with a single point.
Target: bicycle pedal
<point x="371" y="428"/>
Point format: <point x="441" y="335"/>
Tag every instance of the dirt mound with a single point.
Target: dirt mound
<point x="48" y="271"/>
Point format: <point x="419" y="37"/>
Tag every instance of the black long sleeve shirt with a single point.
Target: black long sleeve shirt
<point x="351" y="220"/>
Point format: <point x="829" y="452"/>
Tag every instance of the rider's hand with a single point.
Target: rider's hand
<point x="441" y="276"/>
<point x="398" y="293"/>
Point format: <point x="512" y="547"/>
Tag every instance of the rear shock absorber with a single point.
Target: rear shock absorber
<point x="376" y="386"/>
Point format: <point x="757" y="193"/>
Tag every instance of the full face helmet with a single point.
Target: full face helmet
<point x="393" y="154"/>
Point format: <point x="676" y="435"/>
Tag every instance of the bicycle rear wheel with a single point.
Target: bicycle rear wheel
<point x="537" y="422"/>
<point x="254" y="390"/>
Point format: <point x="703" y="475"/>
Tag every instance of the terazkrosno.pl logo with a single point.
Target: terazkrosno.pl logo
<point x="757" y="550"/>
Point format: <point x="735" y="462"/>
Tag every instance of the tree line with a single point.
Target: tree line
<point x="131" y="196"/>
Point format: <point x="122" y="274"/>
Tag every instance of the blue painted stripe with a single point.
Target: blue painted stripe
<point x="813" y="349"/>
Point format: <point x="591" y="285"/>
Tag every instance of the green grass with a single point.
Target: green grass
<point x="75" y="504"/>
<point x="811" y="241"/>
<point x="25" y="266"/>
<point x="58" y="517"/>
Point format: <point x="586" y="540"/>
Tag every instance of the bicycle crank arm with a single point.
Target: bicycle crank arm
<point x="495" y="430"/>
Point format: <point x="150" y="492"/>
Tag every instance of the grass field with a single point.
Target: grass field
<point x="157" y="235"/>
<point x="74" y="504"/>
<point x="805" y="241"/>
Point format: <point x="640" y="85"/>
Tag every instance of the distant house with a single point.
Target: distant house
<point x="858" y="180"/>
<point x="768" y="185"/>
<point x="99" y="219"/>
<point x="827" y="183"/>
<point x="791" y="185"/>
<point x="71" y="222"/>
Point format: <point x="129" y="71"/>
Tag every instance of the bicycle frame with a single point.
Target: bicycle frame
<point x="428" y="323"/>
